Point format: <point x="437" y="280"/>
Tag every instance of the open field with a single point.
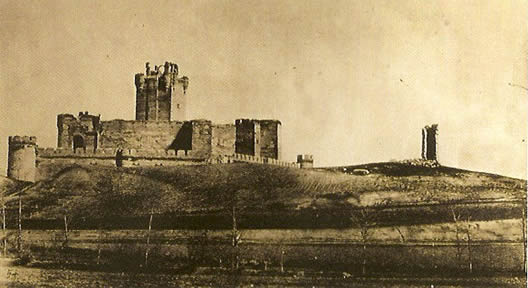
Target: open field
<point x="23" y="277"/>
<point x="418" y="250"/>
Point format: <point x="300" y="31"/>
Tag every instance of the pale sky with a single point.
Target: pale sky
<point x="352" y="81"/>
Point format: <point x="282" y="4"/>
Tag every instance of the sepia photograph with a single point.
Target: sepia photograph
<point x="263" y="143"/>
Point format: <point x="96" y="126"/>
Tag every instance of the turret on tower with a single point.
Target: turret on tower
<point x="22" y="158"/>
<point x="161" y="96"/>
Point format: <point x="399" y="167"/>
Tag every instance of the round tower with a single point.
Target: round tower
<point x="22" y="158"/>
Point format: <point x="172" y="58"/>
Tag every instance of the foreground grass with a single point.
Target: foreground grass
<point x="22" y="277"/>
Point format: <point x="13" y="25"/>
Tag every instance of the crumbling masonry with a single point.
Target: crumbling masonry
<point x="429" y="144"/>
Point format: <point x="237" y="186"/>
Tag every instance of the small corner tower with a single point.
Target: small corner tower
<point x="22" y="158"/>
<point x="161" y="96"/>
<point x="429" y="144"/>
<point x="305" y="161"/>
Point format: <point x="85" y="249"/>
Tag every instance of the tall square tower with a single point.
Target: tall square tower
<point x="161" y="96"/>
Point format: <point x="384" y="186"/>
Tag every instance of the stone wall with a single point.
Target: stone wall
<point x="243" y="158"/>
<point x="85" y="140"/>
<point x="269" y="138"/>
<point x="193" y="137"/>
<point x="51" y="161"/>
<point x="201" y="138"/>
<point x="223" y="139"/>
<point x="140" y="134"/>
<point x="247" y="137"/>
<point x="258" y="137"/>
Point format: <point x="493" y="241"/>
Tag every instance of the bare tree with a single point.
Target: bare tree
<point x="147" y="250"/>
<point x="19" y="237"/>
<point x="456" y="219"/>
<point x="282" y="253"/>
<point x="65" y="243"/>
<point x="99" y="234"/>
<point x="4" y="226"/>
<point x="365" y="220"/>
<point x="523" y="233"/>
<point x="466" y="230"/>
<point x="236" y="239"/>
<point x="468" y="235"/>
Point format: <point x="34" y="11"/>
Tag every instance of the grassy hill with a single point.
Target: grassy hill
<point x="300" y="197"/>
<point x="10" y="186"/>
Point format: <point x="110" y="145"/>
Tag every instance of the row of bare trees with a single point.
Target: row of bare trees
<point x="365" y="219"/>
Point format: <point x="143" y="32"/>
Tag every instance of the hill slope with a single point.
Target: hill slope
<point x="105" y="191"/>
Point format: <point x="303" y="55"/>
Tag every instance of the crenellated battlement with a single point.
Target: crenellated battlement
<point x="305" y="157"/>
<point x="113" y="152"/>
<point x="63" y="152"/>
<point x="21" y="140"/>
<point x="21" y="159"/>
<point x="251" y="159"/>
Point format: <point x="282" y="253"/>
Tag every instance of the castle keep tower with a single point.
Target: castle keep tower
<point x="22" y="157"/>
<point x="161" y="96"/>
<point x="429" y="144"/>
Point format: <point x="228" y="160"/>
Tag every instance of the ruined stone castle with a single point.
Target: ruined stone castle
<point x="161" y="135"/>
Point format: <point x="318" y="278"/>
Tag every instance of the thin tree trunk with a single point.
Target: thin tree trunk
<point x="282" y="261"/>
<point x="457" y="243"/>
<point x="148" y="240"/>
<point x="457" y="234"/>
<point x="364" y="238"/>
<point x="469" y="254"/>
<point x="99" y="232"/>
<point x="364" y="262"/>
<point x="4" y="227"/>
<point x="65" y="244"/>
<point x="235" y="240"/>
<point x="524" y="236"/>
<point x="470" y="258"/>
<point x="434" y="256"/>
<point x="19" y="238"/>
